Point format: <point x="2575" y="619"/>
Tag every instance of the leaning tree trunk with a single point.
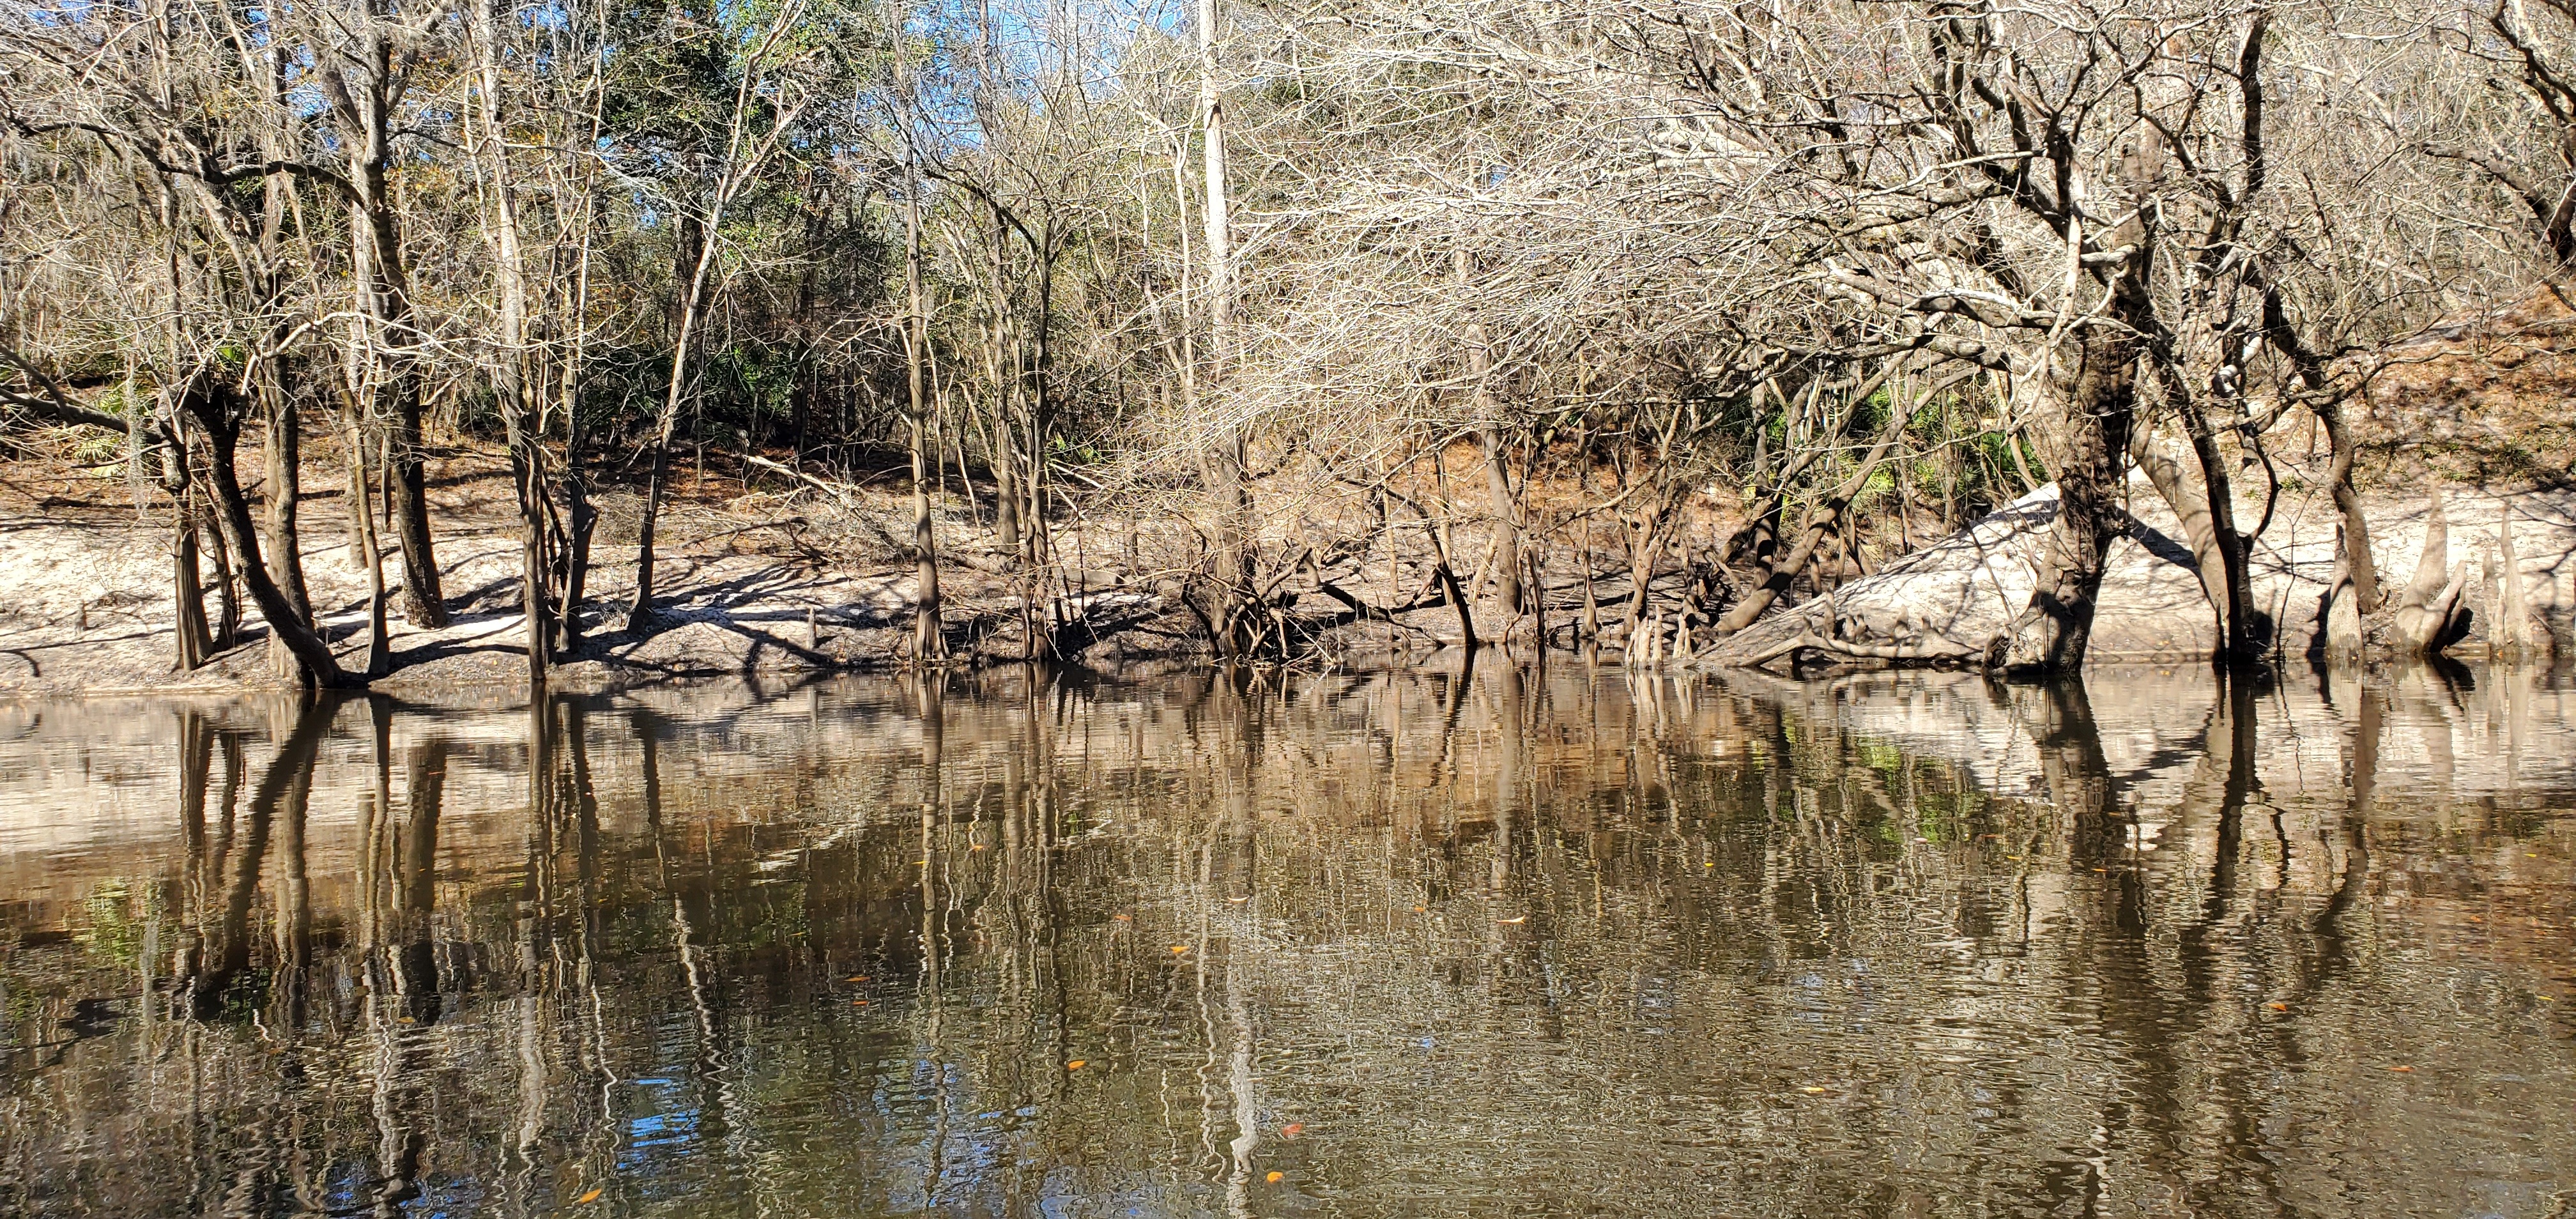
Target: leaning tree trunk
<point x="2237" y="642"/>
<point x="220" y="429"/>
<point x="228" y="611"/>
<point x="640" y="613"/>
<point x="2190" y="504"/>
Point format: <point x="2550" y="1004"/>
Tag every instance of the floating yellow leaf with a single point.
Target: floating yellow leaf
<point x="1180" y="948"/>
<point x="1238" y="900"/>
<point x="1274" y="1176"/>
<point x="592" y="1196"/>
<point x="1813" y="1090"/>
<point x="1507" y="921"/>
<point x="977" y="847"/>
<point x="1076" y="1064"/>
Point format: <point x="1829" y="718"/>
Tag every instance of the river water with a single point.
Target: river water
<point x="1498" y="942"/>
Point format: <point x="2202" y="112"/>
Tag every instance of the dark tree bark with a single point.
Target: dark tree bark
<point x="218" y="430"/>
<point x="2091" y="429"/>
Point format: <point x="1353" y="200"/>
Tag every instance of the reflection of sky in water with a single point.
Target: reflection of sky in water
<point x="1765" y="950"/>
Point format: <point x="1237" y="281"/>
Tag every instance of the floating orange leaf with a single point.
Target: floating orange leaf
<point x="1292" y="1130"/>
<point x="858" y="1003"/>
<point x="1275" y="1176"/>
<point x="1120" y="917"/>
<point x="856" y="978"/>
<point x="592" y="1196"/>
<point x="1076" y="1064"/>
<point x="2278" y="1007"/>
<point x="1419" y="909"/>
<point x="2402" y="1070"/>
<point x="1180" y="948"/>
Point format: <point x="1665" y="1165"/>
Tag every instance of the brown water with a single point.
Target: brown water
<point x="1353" y="945"/>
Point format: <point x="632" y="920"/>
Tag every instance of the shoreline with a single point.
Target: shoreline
<point x="85" y="606"/>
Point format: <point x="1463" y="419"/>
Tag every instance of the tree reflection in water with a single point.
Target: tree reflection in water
<point x="1482" y="940"/>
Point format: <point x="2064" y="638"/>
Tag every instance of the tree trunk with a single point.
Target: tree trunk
<point x="929" y="639"/>
<point x="1644" y="540"/>
<point x="228" y="612"/>
<point x="384" y="301"/>
<point x="1507" y="532"/>
<point x="509" y="369"/>
<point x="2191" y="506"/>
<point x="2524" y="635"/>
<point x="379" y="642"/>
<point x="191" y="639"/>
<point x="232" y="515"/>
<point x="285" y="452"/>
<point x="2239" y="642"/>
<point x="2096" y="392"/>
<point x="640" y="613"/>
<point x="423" y="604"/>
<point x="1227" y="486"/>
<point x="2427" y="612"/>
